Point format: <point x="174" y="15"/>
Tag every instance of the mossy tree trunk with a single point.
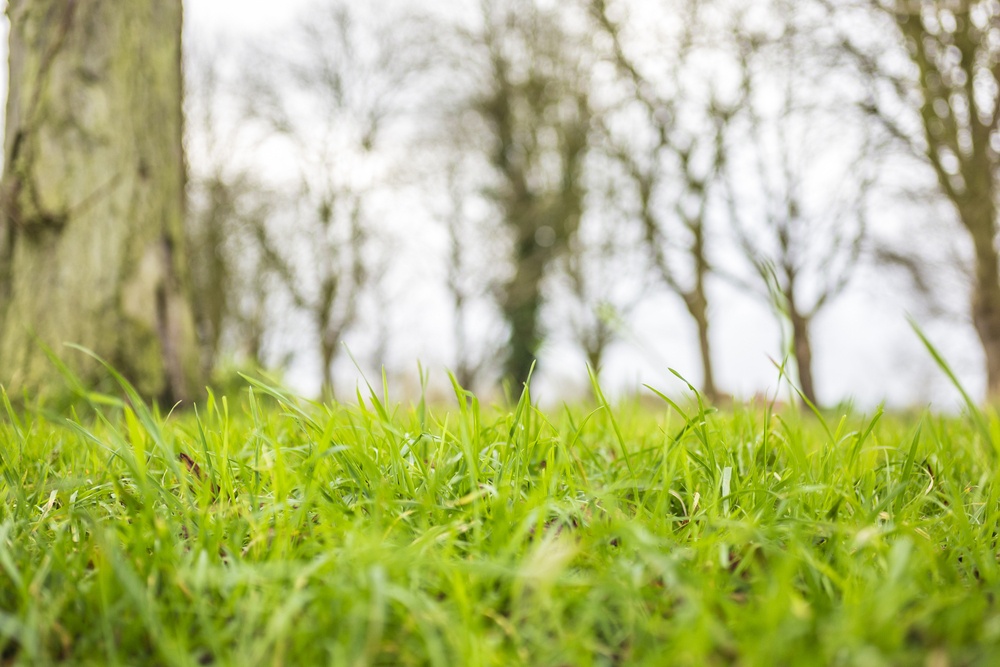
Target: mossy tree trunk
<point x="960" y="125"/>
<point x="537" y="110"/>
<point x="522" y="303"/>
<point x="92" y="248"/>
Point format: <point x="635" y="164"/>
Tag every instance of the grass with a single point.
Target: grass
<point x="271" y="531"/>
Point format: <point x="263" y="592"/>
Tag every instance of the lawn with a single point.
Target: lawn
<point x="267" y="530"/>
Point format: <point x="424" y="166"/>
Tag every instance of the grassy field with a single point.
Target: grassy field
<point x="265" y="530"/>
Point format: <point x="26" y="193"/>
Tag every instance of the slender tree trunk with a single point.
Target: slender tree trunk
<point x="978" y="217"/>
<point x="328" y="351"/>
<point x="708" y="373"/>
<point x="802" y="349"/>
<point x="93" y="196"/>
<point x="697" y="306"/>
<point x="522" y="302"/>
<point x="701" y="315"/>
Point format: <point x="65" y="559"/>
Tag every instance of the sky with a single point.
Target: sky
<point x="241" y="17"/>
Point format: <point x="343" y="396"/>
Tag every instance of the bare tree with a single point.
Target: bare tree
<point x="532" y="103"/>
<point x="942" y="105"/>
<point x="330" y="101"/>
<point x="675" y="166"/>
<point x="799" y="178"/>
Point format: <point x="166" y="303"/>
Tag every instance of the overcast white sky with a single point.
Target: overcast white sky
<point x="864" y="347"/>
<point x="241" y="17"/>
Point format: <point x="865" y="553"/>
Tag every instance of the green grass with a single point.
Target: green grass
<point x="291" y="533"/>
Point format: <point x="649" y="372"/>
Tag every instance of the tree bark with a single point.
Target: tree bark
<point x="92" y="208"/>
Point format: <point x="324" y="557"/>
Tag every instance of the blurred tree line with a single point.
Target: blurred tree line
<point x="570" y="159"/>
<point x="578" y="155"/>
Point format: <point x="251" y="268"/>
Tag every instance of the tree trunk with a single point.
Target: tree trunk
<point x="697" y="306"/>
<point x="522" y="302"/>
<point x="802" y="349"/>
<point x="967" y="132"/>
<point x="328" y="352"/>
<point x="978" y="217"/>
<point x="708" y="374"/>
<point x="92" y="248"/>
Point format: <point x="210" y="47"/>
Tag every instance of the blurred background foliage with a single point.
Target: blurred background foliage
<point x="512" y="180"/>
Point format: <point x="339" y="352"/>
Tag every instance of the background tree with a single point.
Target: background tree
<point x="670" y="137"/>
<point x="943" y="105"/>
<point x="603" y="274"/>
<point x="227" y="202"/>
<point x="532" y="100"/>
<point x="469" y="279"/>
<point x="799" y="177"/>
<point x="92" y="199"/>
<point x="328" y="103"/>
